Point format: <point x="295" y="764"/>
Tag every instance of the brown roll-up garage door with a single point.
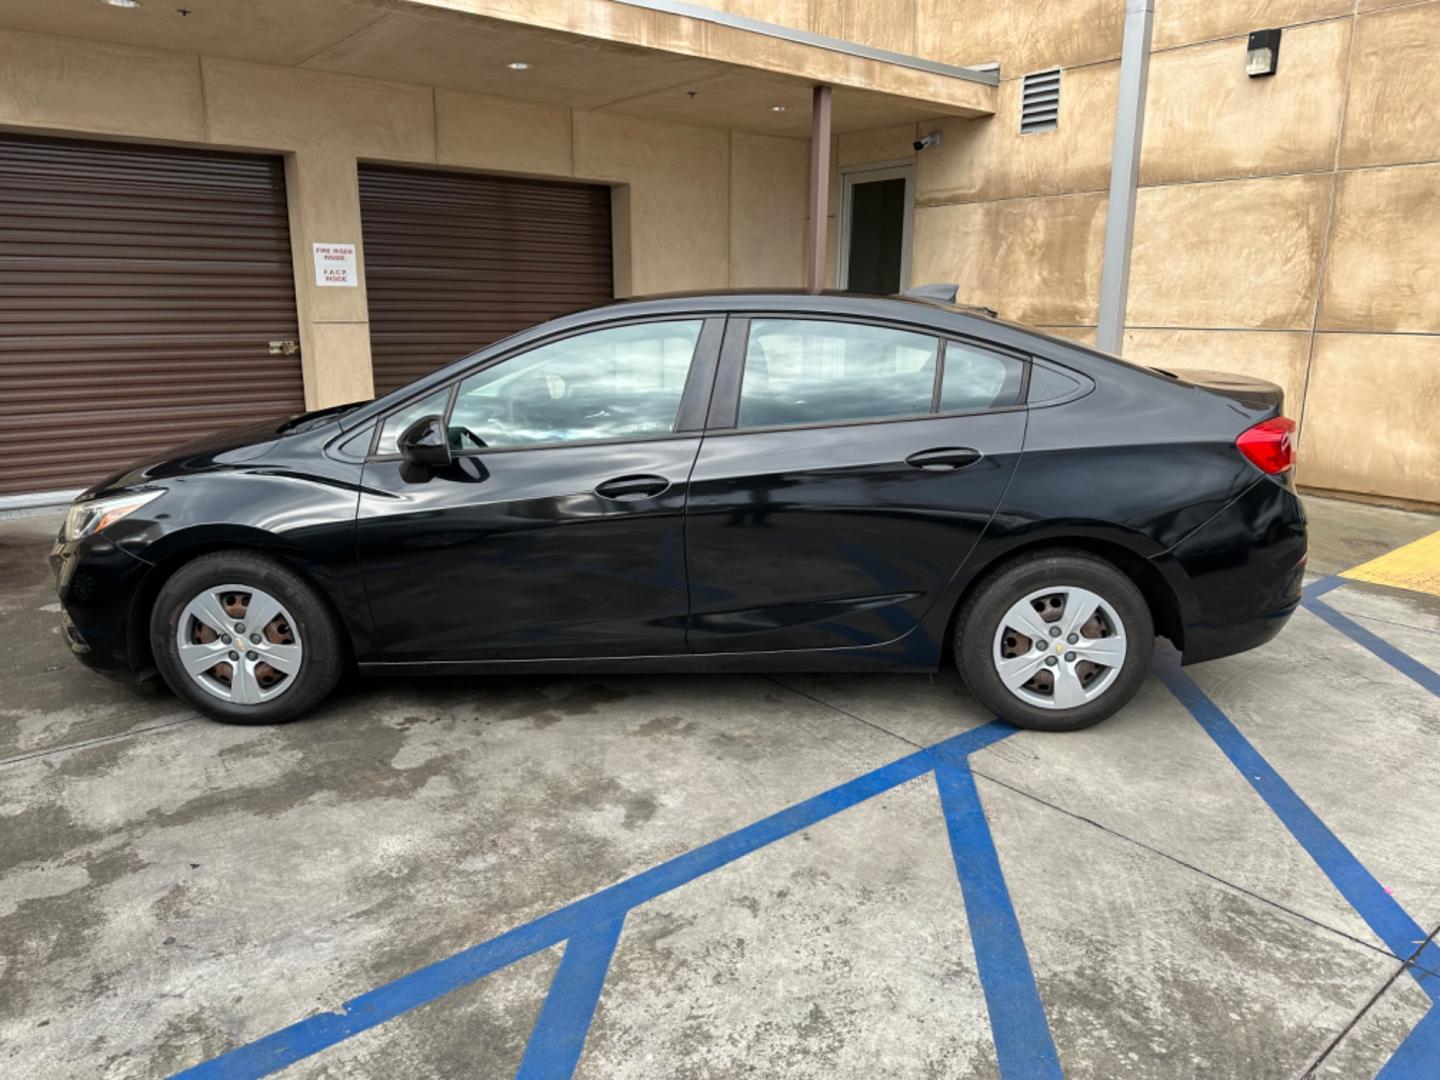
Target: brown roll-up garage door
<point x="455" y="261"/>
<point x="140" y="287"/>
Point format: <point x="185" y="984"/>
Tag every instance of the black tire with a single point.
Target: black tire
<point x="981" y="615"/>
<point x="321" y="665"/>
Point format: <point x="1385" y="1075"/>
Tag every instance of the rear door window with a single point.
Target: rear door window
<point x="812" y="371"/>
<point x="977" y="378"/>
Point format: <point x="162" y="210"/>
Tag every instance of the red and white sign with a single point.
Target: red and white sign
<point x="335" y="265"/>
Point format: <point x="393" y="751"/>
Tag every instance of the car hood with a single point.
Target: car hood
<point x="1255" y="393"/>
<point x="233" y="446"/>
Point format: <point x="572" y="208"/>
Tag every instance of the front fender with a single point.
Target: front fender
<point x="303" y="518"/>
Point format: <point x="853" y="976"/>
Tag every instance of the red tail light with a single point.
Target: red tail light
<point x="1269" y="445"/>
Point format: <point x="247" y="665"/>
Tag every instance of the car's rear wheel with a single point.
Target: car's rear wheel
<point x="245" y="639"/>
<point x="1056" y="641"/>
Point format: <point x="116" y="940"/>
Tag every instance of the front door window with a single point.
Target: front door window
<point x="623" y="382"/>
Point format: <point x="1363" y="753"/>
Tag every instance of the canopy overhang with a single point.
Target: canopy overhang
<point x="650" y="58"/>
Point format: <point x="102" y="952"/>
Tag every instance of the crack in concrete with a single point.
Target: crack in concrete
<point x="1200" y="870"/>
<point x="1368" y="618"/>
<point x="844" y="712"/>
<point x="1310" y="1070"/>
<point x="97" y="741"/>
<point x="1122" y="836"/>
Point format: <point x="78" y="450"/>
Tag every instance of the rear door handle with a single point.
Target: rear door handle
<point x="630" y="488"/>
<point x="944" y="458"/>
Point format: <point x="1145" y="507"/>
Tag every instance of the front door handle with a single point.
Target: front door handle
<point x="944" y="458"/>
<point x="630" y="488"/>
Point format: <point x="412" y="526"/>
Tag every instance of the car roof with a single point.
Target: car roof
<point x="796" y="298"/>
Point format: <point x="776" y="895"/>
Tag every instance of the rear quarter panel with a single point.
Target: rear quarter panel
<point x="1140" y="462"/>
<point x="1139" y="454"/>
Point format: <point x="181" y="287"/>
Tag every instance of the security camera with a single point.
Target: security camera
<point x="933" y="139"/>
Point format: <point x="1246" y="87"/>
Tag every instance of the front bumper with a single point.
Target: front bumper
<point x="1245" y="567"/>
<point x="97" y="581"/>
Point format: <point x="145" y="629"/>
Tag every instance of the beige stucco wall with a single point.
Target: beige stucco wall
<point x="1286" y="227"/>
<point x="696" y="207"/>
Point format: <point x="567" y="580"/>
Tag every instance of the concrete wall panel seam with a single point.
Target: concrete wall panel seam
<point x="1243" y="35"/>
<point x="1208" y="121"/>
<point x="1393" y="106"/>
<point x="932" y="201"/>
<point x="341" y="40"/>
<point x="1341" y="171"/>
<point x="1329" y="228"/>
<point x="204" y="103"/>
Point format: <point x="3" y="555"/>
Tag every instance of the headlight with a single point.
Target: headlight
<point x="93" y="515"/>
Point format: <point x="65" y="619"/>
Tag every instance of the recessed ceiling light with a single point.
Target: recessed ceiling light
<point x="777" y="108"/>
<point x="518" y="65"/>
<point x="123" y="3"/>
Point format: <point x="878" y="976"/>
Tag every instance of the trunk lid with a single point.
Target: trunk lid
<point x="1251" y="392"/>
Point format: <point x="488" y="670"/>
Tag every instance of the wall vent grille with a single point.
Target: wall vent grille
<point x="1040" y="101"/>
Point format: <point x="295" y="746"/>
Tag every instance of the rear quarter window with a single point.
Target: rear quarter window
<point x="1047" y="384"/>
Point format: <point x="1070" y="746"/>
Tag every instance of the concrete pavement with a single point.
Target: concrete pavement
<point x="172" y="889"/>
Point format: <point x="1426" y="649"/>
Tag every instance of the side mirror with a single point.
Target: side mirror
<point x="426" y="443"/>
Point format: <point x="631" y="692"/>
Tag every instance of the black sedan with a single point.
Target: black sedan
<point x="722" y="482"/>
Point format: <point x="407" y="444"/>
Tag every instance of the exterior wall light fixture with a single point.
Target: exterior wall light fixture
<point x="1263" y="53"/>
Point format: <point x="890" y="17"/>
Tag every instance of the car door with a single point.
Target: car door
<point x="558" y="529"/>
<point x="848" y="468"/>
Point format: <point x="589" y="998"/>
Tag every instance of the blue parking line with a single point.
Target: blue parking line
<point x="300" y="1040"/>
<point x="1320" y="586"/>
<point x="1418" y="1057"/>
<point x="1401" y="661"/>
<point x="1024" y="1046"/>
<point x="1381" y="912"/>
<point x="554" y="1047"/>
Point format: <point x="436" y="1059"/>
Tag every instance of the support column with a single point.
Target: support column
<point x="1124" y="173"/>
<point x="819" y="189"/>
<point x="324" y="204"/>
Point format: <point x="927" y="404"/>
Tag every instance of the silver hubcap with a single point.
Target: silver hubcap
<point x="239" y="644"/>
<point x="1059" y="648"/>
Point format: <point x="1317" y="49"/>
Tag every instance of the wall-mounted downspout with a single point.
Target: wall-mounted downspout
<point x="819" y="189"/>
<point x="1124" y="173"/>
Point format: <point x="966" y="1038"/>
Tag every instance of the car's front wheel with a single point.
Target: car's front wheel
<point x="1056" y="641"/>
<point x="245" y="639"/>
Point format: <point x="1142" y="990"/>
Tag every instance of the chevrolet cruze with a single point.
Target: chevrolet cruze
<point x="723" y="482"/>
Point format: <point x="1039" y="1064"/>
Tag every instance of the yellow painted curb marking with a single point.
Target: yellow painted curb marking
<point x="1416" y="567"/>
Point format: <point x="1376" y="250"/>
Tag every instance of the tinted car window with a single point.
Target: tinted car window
<point x="358" y="444"/>
<point x="808" y="371"/>
<point x="978" y="378"/>
<point x="621" y="382"/>
<point x="1047" y="384"/>
<point x="432" y="405"/>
